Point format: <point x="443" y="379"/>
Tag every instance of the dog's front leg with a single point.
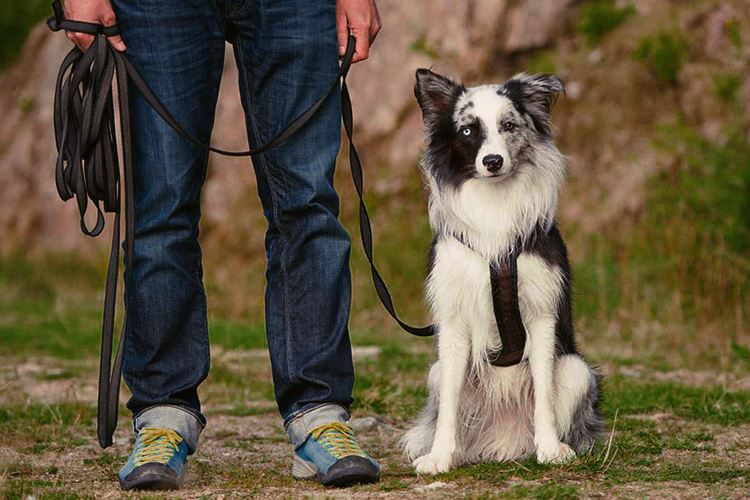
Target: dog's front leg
<point x="549" y="448"/>
<point x="453" y="352"/>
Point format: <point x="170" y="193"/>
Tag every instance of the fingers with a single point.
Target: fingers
<point x="117" y="43"/>
<point x="375" y="25"/>
<point x="361" y="45"/>
<point x="91" y="11"/>
<point x="342" y="32"/>
<point x="360" y="18"/>
<point x="81" y="40"/>
<point x="109" y="19"/>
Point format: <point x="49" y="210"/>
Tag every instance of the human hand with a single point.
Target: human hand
<point x="91" y="11"/>
<point x="361" y="18"/>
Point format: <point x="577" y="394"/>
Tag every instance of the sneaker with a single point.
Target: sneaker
<point x="158" y="461"/>
<point x="331" y="454"/>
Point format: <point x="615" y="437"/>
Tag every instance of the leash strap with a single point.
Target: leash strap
<point x="504" y="284"/>
<point x="87" y="168"/>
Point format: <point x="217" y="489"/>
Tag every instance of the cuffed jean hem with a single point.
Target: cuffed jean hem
<point x="301" y="424"/>
<point x="179" y="419"/>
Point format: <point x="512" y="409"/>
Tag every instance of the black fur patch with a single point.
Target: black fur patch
<point x="550" y="247"/>
<point x="533" y="96"/>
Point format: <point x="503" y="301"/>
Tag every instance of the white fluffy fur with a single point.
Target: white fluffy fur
<point x="490" y="216"/>
<point x="485" y="412"/>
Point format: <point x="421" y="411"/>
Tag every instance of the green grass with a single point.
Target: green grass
<point x="683" y="263"/>
<point x="663" y="54"/>
<point x="235" y="335"/>
<point x="420" y="45"/>
<point x="599" y="17"/>
<point x="700" y="404"/>
<point x="542" y="61"/>
<point x="727" y="86"/>
<point x="17" y="17"/>
<point x="547" y="491"/>
<point x="37" y="428"/>
<point x="393" y="383"/>
<point x="50" y="305"/>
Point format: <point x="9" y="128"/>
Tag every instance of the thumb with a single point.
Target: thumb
<point x="117" y="43"/>
<point x="342" y="32"/>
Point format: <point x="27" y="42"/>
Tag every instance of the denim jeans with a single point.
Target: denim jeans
<point x="286" y="51"/>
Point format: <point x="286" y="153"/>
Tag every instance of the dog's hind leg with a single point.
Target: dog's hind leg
<point x="418" y="440"/>
<point x="453" y="353"/>
<point x="577" y="403"/>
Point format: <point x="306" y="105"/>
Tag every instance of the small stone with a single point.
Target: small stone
<point x="370" y="351"/>
<point x="364" y="424"/>
<point x="433" y="486"/>
<point x="595" y="56"/>
<point x="122" y="441"/>
<point x="574" y="89"/>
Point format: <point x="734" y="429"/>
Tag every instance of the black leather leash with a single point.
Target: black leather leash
<point x="88" y="168"/>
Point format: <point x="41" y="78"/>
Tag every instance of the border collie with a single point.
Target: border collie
<point x="494" y="173"/>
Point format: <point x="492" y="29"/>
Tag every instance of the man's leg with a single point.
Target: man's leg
<point x="287" y="56"/>
<point x="179" y="50"/>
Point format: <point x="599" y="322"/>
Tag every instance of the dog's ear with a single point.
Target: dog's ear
<point x="535" y="95"/>
<point x="435" y="93"/>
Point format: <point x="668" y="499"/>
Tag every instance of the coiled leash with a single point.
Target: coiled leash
<point x="87" y="168"/>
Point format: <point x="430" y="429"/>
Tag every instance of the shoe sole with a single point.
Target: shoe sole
<point x="347" y="472"/>
<point x="151" y="477"/>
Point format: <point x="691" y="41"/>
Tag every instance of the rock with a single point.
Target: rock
<point x="574" y="89"/>
<point x="366" y="424"/>
<point x="532" y="25"/>
<point x="437" y="485"/>
<point x="31" y="215"/>
<point x="461" y="39"/>
<point x="717" y="44"/>
<point x="370" y="351"/>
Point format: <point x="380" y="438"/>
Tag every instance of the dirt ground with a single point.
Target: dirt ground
<point x="49" y="448"/>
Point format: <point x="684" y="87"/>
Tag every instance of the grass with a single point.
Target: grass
<point x="636" y="450"/>
<point x="699" y="404"/>
<point x="599" y="17"/>
<point x="420" y="45"/>
<point x="675" y="284"/>
<point x="663" y="55"/>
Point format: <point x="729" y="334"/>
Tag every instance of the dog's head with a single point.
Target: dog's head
<point x="484" y="132"/>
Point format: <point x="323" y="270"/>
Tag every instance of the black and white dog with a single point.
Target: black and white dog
<point x="494" y="174"/>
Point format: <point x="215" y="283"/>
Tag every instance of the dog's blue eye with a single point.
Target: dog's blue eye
<point x="466" y="131"/>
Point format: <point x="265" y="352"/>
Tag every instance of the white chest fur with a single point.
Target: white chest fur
<point x="459" y="293"/>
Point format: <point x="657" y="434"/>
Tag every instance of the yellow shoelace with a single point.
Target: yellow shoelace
<point x="337" y="438"/>
<point x="156" y="445"/>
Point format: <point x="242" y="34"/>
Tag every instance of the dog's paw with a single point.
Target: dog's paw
<point x="432" y="463"/>
<point x="560" y="453"/>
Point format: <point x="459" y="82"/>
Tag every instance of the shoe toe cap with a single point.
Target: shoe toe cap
<point x="152" y="476"/>
<point x="351" y="470"/>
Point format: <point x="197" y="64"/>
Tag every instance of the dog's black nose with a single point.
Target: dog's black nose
<point x="493" y="162"/>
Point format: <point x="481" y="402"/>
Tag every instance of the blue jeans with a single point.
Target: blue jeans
<point x="286" y="51"/>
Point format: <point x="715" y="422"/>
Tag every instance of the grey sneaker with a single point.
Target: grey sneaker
<point x="331" y="455"/>
<point x="158" y="461"/>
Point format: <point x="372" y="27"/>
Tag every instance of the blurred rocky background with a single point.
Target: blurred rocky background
<point x="654" y="122"/>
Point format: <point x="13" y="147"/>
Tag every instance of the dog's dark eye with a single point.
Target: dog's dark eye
<point x="466" y="131"/>
<point x="509" y="126"/>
